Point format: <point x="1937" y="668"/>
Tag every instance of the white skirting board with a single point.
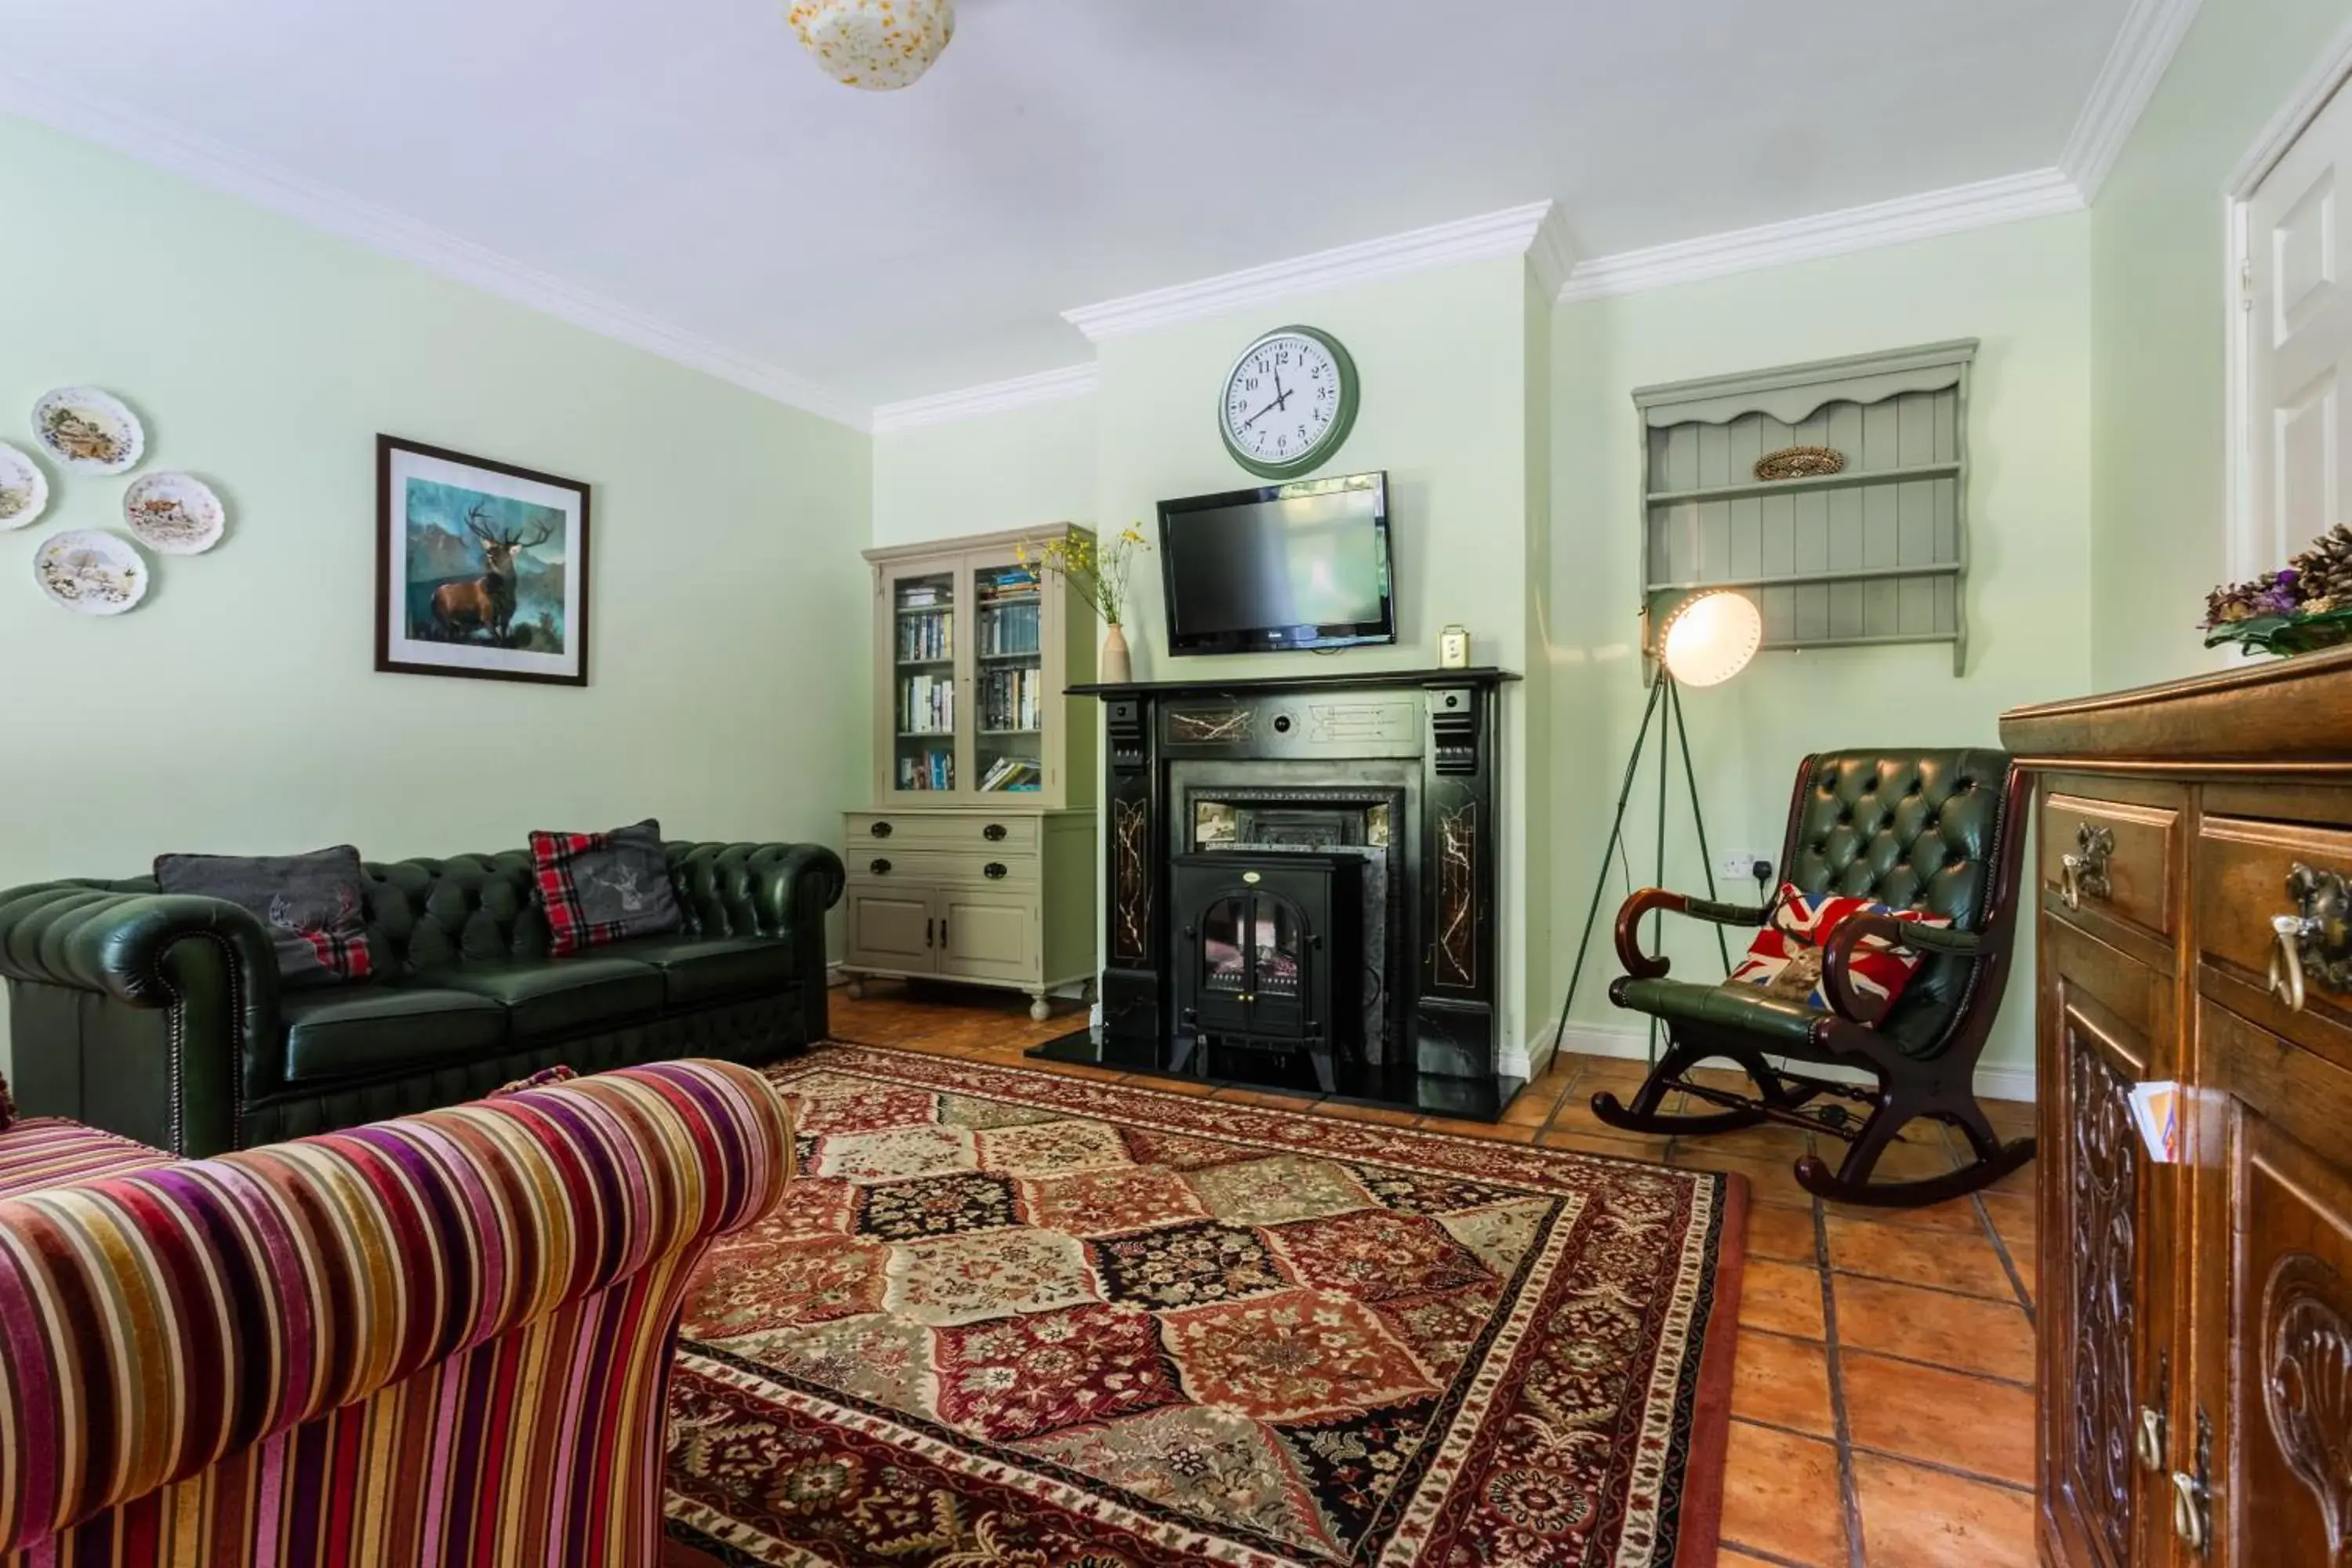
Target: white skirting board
<point x="1632" y="1041"/>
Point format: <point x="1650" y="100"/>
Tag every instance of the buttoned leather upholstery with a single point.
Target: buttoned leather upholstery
<point x="160" y="1018"/>
<point x="1912" y="830"/>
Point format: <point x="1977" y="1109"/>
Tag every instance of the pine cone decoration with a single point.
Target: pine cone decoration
<point x="2325" y="570"/>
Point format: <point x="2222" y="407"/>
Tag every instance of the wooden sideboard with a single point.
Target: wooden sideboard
<point x="2196" y="1318"/>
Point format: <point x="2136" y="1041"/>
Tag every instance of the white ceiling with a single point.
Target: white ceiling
<point x="683" y="160"/>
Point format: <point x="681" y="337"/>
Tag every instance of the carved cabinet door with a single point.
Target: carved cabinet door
<point x="2107" y="1297"/>
<point x="2274" y="1323"/>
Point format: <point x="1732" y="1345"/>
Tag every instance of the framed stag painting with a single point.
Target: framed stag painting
<point x="481" y="568"/>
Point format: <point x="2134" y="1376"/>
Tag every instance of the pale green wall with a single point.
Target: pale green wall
<point x="238" y="708"/>
<point x="2159" y="309"/>
<point x="1024" y="468"/>
<point x="2023" y="289"/>
<point x="1445" y="359"/>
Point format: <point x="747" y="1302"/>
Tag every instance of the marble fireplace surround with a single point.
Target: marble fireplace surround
<point x="1421" y="746"/>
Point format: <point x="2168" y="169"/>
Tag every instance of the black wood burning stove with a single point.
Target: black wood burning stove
<point x="1269" y="957"/>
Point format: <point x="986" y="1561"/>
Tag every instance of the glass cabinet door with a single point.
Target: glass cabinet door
<point x="925" y="649"/>
<point x="1010" y="625"/>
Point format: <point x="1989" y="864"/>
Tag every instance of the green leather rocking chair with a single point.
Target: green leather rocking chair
<point x="1942" y="831"/>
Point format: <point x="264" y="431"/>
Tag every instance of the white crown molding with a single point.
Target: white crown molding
<point x="2136" y="63"/>
<point x="1507" y="233"/>
<point x="1950" y="211"/>
<point x="2311" y="94"/>
<point x="1550" y="255"/>
<point x="996" y="397"/>
<point x="150" y="141"/>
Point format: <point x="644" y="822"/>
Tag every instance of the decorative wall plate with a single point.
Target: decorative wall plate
<point x="90" y="573"/>
<point x="90" y="431"/>
<point x="173" y="514"/>
<point x="23" y="488"/>
<point x="1799" y="463"/>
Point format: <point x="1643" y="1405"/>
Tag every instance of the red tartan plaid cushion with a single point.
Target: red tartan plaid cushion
<point x="1785" y="959"/>
<point x="600" y="888"/>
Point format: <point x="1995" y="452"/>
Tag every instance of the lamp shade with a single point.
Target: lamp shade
<point x="1710" y="637"/>
<point x="874" y="44"/>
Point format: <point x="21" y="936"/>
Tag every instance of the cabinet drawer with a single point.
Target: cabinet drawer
<point x="939" y="830"/>
<point x="2244" y="868"/>
<point x="882" y="864"/>
<point x="2123" y="856"/>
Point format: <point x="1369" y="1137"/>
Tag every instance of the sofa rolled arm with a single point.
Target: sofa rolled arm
<point x="1640" y="965"/>
<point x="764" y="890"/>
<point x="1837" y="958"/>
<point x="265" y="1288"/>
<point x="87" y="937"/>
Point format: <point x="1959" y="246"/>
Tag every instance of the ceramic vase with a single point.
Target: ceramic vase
<point x="1117" y="668"/>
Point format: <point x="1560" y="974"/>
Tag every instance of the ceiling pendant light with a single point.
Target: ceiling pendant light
<point x="878" y="45"/>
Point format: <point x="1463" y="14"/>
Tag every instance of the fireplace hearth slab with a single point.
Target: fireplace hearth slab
<point x="1432" y="1094"/>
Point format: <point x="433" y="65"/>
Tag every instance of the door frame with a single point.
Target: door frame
<point x="2243" y="551"/>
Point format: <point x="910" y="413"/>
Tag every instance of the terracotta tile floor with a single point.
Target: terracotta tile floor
<point x="1883" y="1408"/>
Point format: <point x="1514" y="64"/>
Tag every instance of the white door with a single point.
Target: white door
<point x="2299" y="340"/>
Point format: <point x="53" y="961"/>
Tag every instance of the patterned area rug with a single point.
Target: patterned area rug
<point x="1009" y="1319"/>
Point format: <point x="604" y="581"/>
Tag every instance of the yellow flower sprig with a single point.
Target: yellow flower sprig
<point x="1098" y="569"/>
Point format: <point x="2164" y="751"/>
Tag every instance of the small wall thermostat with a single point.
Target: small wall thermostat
<point x="1453" y="649"/>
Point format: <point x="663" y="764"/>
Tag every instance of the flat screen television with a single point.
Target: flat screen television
<point x="1286" y="566"/>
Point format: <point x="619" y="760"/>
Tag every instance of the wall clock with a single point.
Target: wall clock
<point x="1288" y="402"/>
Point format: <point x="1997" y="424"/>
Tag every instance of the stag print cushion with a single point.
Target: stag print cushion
<point x="600" y="888"/>
<point x="311" y="905"/>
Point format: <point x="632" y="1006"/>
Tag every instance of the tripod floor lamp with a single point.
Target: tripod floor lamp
<point x="1708" y="639"/>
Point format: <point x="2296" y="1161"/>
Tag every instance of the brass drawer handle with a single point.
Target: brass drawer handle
<point x="994" y="832"/>
<point x="2314" y="943"/>
<point x="995" y="870"/>
<point x="2082" y="871"/>
<point x="2149" y="1443"/>
<point x="2193" y="1495"/>
<point x="880" y="868"/>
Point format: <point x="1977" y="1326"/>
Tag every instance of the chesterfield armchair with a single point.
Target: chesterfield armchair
<point x="1940" y="831"/>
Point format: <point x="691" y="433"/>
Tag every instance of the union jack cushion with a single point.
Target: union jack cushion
<point x="600" y="888"/>
<point x="1785" y="959"/>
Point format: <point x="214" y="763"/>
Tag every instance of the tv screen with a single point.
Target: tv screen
<point x="1289" y="566"/>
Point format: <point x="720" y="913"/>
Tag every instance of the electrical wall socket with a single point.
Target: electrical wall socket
<point x="1740" y="865"/>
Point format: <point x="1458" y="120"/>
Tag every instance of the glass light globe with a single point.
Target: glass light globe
<point x="1710" y="637"/>
<point x="879" y="45"/>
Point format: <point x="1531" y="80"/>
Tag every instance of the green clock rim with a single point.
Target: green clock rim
<point x="1343" y="423"/>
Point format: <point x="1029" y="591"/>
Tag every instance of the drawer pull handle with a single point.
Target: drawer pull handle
<point x="2082" y="872"/>
<point x="2150" y="1442"/>
<point x="879" y="866"/>
<point x="881" y="830"/>
<point x="994" y="832"/>
<point x="2314" y="944"/>
<point x="995" y="870"/>
<point x="2193" y="1495"/>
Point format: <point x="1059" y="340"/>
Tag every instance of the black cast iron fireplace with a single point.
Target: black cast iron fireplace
<point x="1381" y="788"/>
<point x="1269" y="957"/>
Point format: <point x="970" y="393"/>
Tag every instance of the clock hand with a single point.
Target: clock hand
<point x="1268" y="408"/>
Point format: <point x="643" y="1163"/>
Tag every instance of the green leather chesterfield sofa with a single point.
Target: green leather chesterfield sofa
<point x="160" y="1017"/>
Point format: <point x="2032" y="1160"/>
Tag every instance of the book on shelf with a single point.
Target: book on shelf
<point x="1010" y="774"/>
<point x="926" y="705"/>
<point x="926" y="637"/>
<point x="1008" y="630"/>
<point x="934" y="770"/>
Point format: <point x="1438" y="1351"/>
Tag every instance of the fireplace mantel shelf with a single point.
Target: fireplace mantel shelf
<point x="1334" y="680"/>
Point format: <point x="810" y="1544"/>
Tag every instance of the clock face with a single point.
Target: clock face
<point x="1288" y="402"/>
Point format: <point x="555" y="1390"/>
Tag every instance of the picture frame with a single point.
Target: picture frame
<point x="481" y="567"/>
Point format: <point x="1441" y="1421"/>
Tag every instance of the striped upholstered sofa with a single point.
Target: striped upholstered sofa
<point x="443" y="1339"/>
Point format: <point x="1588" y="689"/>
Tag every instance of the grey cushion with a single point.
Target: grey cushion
<point x="311" y="905"/>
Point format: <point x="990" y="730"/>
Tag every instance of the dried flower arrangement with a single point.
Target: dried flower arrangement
<point x="1799" y="463"/>
<point x="1099" y="570"/>
<point x="2305" y="608"/>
